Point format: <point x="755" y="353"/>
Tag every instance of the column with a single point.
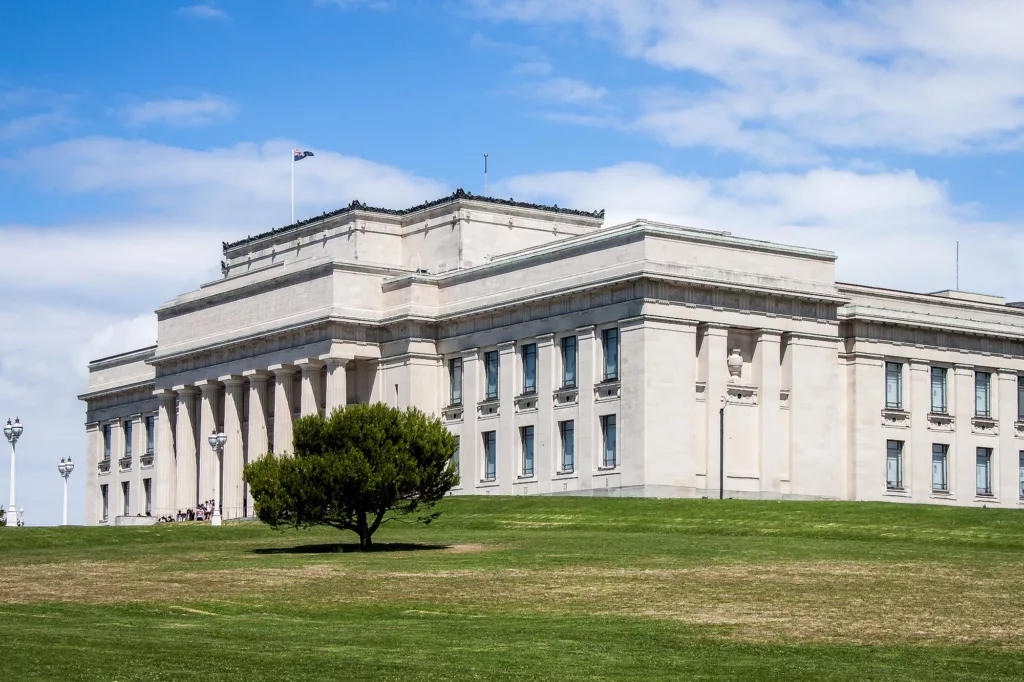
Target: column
<point x="93" y="444"/>
<point x="962" y="458"/>
<point x="164" y="465"/>
<point x="309" y="404"/>
<point x="282" y="408"/>
<point x="507" y="437"/>
<point x="186" y="490"/>
<point x="713" y="353"/>
<point x="917" y="450"/>
<point x="544" y="437"/>
<point x="137" y="497"/>
<point x="337" y="384"/>
<point x="1005" y="454"/>
<point x="470" y="465"/>
<point x="768" y="366"/>
<point x="232" y="486"/>
<point x="586" y="370"/>
<point x="257" y="443"/>
<point x="208" y="423"/>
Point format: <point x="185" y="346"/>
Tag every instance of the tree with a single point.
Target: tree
<point x="355" y="469"/>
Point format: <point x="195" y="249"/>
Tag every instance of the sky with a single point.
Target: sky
<point x="136" y="137"/>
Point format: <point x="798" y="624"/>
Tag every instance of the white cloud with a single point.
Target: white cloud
<point x="203" y="12"/>
<point x="352" y="4"/>
<point x="535" y="68"/>
<point x="567" y="91"/>
<point x="792" y="79"/>
<point x="179" y="112"/>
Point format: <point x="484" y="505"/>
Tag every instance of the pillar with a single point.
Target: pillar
<point x="282" y="408"/>
<point x="164" y="464"/>
<point x="93" y="450"/>
<point x="232" y="487"/>
<point x="186" y="481"/>
<point x="257" y="444"/>
<point x="509" y="465"/>
<point x="337" y="384"/>
<point x="544" y="448"/>
<point x="586" y="429"/>
<point x="713" y="354"/>
<point x="768" y="366"/>
<point x="208" y="423"/>
<point x="309" y="404"/>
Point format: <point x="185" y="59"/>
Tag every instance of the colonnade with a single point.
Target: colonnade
<point x="253" y="421"/>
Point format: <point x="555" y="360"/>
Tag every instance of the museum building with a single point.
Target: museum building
<point x="568" y="358"/>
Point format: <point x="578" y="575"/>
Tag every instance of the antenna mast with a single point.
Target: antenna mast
<point x="485" y="174"/>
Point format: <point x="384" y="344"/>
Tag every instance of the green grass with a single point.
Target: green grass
<point x="529" y="588"/>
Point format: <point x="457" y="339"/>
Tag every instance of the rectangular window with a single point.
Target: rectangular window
<point x="567" y="431"/>
<point x="526" y="436"/>
<point x="106" y="443"/>
<point x="982" y="394"/>
<point x="939" y="390"/>
<point x="984" y="470"/>
<point x="147" y="488"/>
<point x="569" y="361"/>
<point x="455" y="380"/>
<point x="530" y="368"/>
<point x="1020" y="399"/>
<point x="126" y="496"/>
<point x="104" y="502"/>
<point x="610" y="344"/>
<point x="894" y="465"/>
<point x="490" y="455"/>
<point x="940" y="467"/>
<point x="150" y="423"/>
<point x="1020" y="472"/>
<point x="458" y="448"/>
<point x="491" y="365"/>
<point x="127" y="439"/>
<point x="608" y="437"/>
<point x="893" y="386"/>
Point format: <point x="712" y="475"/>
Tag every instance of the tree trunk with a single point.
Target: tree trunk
<point x="364" y="533"/>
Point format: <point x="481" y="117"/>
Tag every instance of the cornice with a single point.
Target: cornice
<point x="122" y="358"/>
<point x="114" y="390"/>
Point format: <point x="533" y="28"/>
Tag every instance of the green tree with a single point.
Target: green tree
<point x="356" y="469"/>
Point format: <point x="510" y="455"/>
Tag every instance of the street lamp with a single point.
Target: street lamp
<point x="65" y="468"/>
<point x="216" y="441"/>
<point x="13" y="433"/>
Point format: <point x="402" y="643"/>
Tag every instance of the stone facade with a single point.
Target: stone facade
<point x="569" y="358"/>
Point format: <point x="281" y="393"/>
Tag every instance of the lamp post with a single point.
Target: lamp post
<point x="216" y="441"/>
<point x="13" y="433"/>
<point x="65" y="468"/>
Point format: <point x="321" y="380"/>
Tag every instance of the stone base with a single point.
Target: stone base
<point x="134" y="520"/>
<point x="669" y="491"/>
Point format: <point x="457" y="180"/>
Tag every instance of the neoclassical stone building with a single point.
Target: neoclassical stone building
<point x="570" y="358"/>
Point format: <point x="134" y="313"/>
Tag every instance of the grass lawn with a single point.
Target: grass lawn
<point x="528" y="588"/>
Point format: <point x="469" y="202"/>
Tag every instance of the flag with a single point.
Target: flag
<point x="298" y="154"/>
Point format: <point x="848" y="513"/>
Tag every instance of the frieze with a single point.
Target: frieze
<point x="933" y="338"/>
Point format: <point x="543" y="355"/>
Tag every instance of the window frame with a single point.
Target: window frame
<point x="528" y="354"/>
<point x="986" y="413"/>
<point x="455" y="371"/>
<point x="567" y="437"/>
<point x="150" y="422"/>
<point x="1020" y="398"/>
<point x="490" y="439"/>
<point x="940" y="452"/>
<point x="527" y="443"/>
<point x="611" y="420"/>
<point x="943" y="373"/>
<point x="457" y="453"/>
<point x="127" y="427"/>
<point x="610" y="339"/>
<point x="896" y="485"/>
<point x="488" y="356"/>
<point x="147" y="491"/>
<point x="126" y="497"/>
<point x="105" y="501"/>
<point x="896" y="404"/>
<point x="1020" y="473"/>
<point x="983" y="455"/>
<point x="564" y="343"/>
<point x="108" y="437"/>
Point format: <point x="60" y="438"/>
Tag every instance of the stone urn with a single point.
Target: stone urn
<point x="735" y="362"/>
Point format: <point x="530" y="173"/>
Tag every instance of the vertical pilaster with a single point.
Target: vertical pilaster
<point x="1005" y="472"/>
<point x="917" y="450"/>
<point x="232" y="488"/>
<point x="137" y="496"/>
<point x="586" y="430"/>
<point x="714" y="352"/>
<point x="337" y="384"/>
<point x="963" y="483"/>
<point x="309" y="404"/>
<point x="283" y="382"/>
<point x="768" y="365"/>
<point x="257" y="443"/>
<point x="508" y="439"/>
<point x="469" y="444"/>
<point x="544" y="438"/>
<point x="93" y="445"/>
<point x="186" y="479"/>
<point x="164" y="464"/>
<point x="208" y="423"/>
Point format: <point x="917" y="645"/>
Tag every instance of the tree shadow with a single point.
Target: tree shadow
<point x="337" y="547"/>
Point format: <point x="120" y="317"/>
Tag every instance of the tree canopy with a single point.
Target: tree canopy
<point x="355" y="469"/>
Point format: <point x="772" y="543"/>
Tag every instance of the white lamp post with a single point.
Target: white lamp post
<point x="13" y="433"/>
<point x="65" y="468"/>
<point x="216" y="441"/>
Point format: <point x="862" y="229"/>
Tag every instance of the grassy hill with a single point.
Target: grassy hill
<point x="528" y="588"/>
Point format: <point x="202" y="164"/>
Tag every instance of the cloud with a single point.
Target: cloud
<point x="29" y="112"/>
<point x="203" y="12"/>
<point x="353" y="4"/>
<point x="537" y="68"/>
<point x="790" y="81"/>
<point x="179" y="112"/>
<point x="566" y="91"/>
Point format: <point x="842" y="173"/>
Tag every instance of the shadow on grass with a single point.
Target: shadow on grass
<point x="334" y="548"/>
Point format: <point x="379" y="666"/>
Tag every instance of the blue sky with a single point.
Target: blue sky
<point x="135" y="137"/>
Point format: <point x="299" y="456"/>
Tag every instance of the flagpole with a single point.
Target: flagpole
<point x="293" y="189"/>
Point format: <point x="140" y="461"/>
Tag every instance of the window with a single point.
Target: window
<point x="455" y="457"/>
<point x="610" y="344"/>
<point x="567" y="430"/>
<point x="104" y="502"/>
<point x="150" y="421"/>
<point x="455" y="380"/>
<point x="940" y="468"/>
<point x="894" y="465"/>
<point x="106" y="442"/>
<point x="939" y="390"/>
<point x="147" y="488"/>
<point x="526" y="436"/>
<point x="984" y="471"/>
<point x="608" y="437"/>
<point x="982" y="394"/>
<point x="893" y="386"/>
<point x="530" y="368"/>
<point x="1020" y="399"/>
<point x="568" y="361"/>
<point x="491" y="365"/>
<point x="1020" y="472"/>
<point x="128" y="439"/>
<point x="126" y="496"/>
<point x="490" y="455"/>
